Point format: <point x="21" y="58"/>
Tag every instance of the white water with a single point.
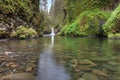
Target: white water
<point x="52" y="33"/>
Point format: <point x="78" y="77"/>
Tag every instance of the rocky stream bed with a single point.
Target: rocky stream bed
<point x="12" y="64"/>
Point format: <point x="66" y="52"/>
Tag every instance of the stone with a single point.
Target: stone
<point x="88" y="76"/>
<point x="18" y="76"/>
<point x="100" y="59"/>
<point x="14" y="66"/>
<point x="115" y="78"/>
<point x="86" y="62"/>
<point x="1" y="69"/>
<point x="99" y="72"/>
<point x="81" y="79"/>
<point x="113" y="63"/>
<point x="28" y="69"/>
<point x="85" y="68"/>
<point x="110" y="67"/>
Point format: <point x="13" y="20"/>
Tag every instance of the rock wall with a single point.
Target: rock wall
<point x="16" y="13"/>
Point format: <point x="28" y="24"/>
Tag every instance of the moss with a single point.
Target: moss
<point x="114" y="36"/>
<point x="112" y="24"/>
<point x="19" y="11"/>
<point x="88" y="23"/>
<point x="22" y="32"/>
<point x="19" y="8"/>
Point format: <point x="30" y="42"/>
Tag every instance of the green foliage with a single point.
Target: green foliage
<point x="23" y="9"/>
<point x="23" y="32"/>
<point x="101" y="4"/>
<point x="89" y="23"/>
<point x="73" y="9"/>
<point x="76" y="7"/>
<point x="113" y="23"/>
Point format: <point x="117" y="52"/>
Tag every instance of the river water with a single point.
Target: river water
<point x="66" y="58"/>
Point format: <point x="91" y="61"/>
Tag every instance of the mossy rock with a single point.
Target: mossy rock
<point x="114" y="36"/>
<point x="112" y="24"/>
<point x="88" y="23"/>
<point x="22" y="32"/>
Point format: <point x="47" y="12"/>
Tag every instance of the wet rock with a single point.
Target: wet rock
<point x="81" y="79"/>
<point x="18" y="76"/>
<point x="100" y="59"/>
<point x="11" y="64"/>
<point x="115" y="58"/>
<point x="86" y="62"/>
<point x="113" y="63"/>
<point x="115" y="78"/>
<point x="109" y="67"/>
<point x="19" y="63"/>
<point x="28" y="69"/>
<point x="1" y="69"/>
<point x="98" y="72"/>
<point x="14" y="66"/>
<point x="88" y="76"/>
<point x="85" y="68"/>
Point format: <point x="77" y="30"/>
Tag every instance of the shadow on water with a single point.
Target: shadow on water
<point x="49" y="69"/>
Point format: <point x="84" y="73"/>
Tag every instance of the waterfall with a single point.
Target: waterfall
<point x="52" y="33"/>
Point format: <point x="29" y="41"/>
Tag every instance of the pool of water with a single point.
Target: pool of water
<point x="70" y="58"/>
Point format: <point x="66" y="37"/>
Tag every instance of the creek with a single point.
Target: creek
<point x="62" y="58"/>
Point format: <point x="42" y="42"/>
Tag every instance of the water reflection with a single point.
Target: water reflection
<point x="49" y="69"/>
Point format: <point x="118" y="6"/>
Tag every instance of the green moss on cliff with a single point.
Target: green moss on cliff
<point x="89" y="23"/>
<point x="23" y="9"/>
<point x="113" y="23"/>
<point x="21" y="12"/>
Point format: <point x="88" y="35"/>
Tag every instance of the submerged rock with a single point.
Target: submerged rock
<point x="113" y="63"/>
<point x="109" y="67"/>
<point x="85" y="68"/>
<point x="100" y="59"/>
<point x="88" y="76"/>
<point x="18" y="76"/>
<point x="18" y="63"/>
<point x="115" y="78"/>
<point x="86" y="62"/>
<point x="99" y="72"/>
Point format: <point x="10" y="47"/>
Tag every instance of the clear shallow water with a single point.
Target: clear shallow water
<point x="49" y="69"/>
<point x="74" y="53"/>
